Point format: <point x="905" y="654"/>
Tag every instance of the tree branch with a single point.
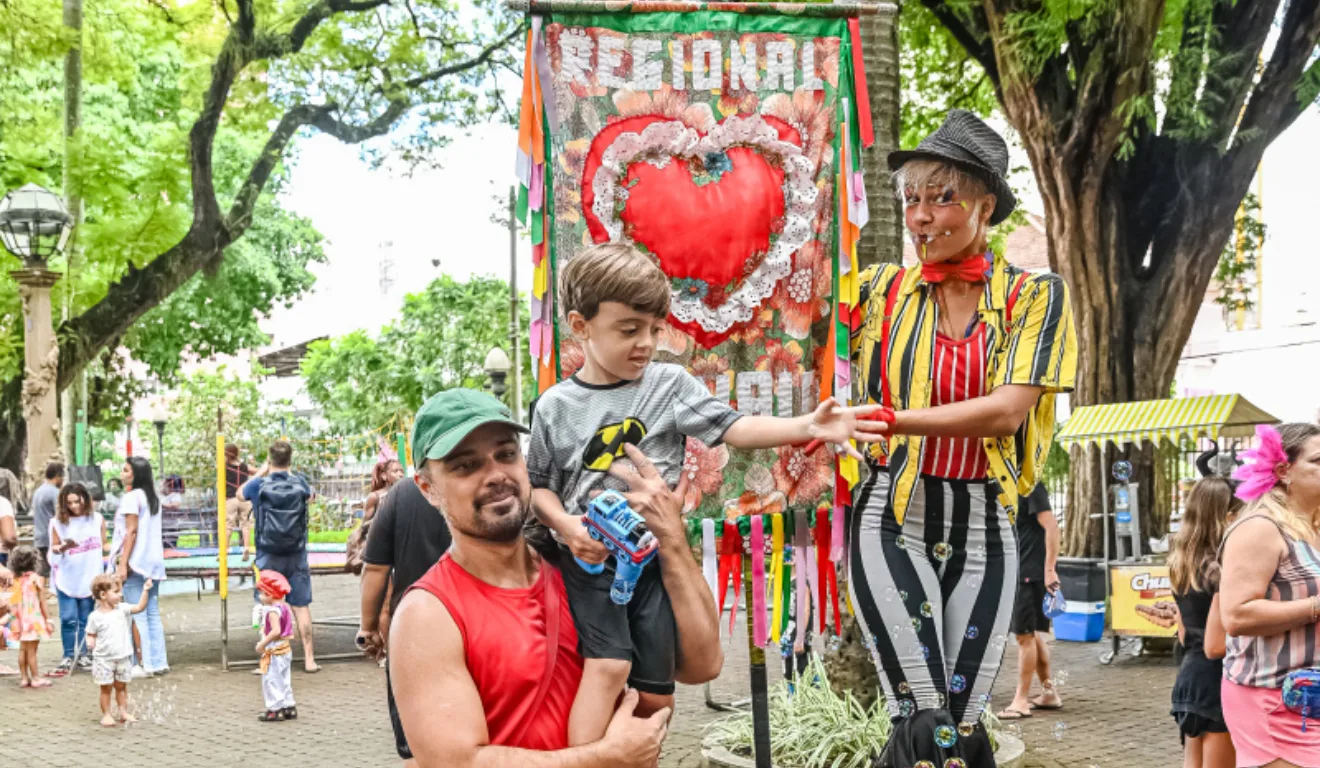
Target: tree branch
<point x="463" y="66"/>
<point x="972" y="34"/>
<point x="1274" y="104"/>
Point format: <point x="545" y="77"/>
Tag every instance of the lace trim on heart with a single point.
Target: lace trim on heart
<point x="657" y="144"/>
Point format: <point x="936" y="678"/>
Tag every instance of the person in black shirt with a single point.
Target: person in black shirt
<point x="1038" y="555"/>
<point x="238" y="512"/>
<point x="408" y="535"/>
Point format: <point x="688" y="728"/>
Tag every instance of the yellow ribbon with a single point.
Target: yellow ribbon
<point x="776" y="572"/>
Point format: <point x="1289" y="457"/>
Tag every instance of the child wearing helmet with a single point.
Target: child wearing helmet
<point x="276" y="653"/>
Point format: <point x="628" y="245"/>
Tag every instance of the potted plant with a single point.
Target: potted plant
<point x="812" y="727"/>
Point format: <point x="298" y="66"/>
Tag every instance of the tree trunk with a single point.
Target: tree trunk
<point x="1136" y="291"/>
<point x="850" y="667"/>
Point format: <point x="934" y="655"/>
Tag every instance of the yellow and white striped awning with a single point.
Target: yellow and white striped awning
<point x="1213" y="416"/>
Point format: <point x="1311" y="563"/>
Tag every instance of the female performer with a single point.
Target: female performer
<point x="969" y="353"/>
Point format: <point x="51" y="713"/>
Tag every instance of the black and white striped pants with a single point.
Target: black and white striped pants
<point x="934" y="595"/>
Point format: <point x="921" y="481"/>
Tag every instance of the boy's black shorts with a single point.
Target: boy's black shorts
<point x="642" y="632"/>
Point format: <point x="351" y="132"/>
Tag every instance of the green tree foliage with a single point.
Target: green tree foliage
<point x="251" y="421"/>
<point x="439" y="342"/>
<point x="189" y="111"/>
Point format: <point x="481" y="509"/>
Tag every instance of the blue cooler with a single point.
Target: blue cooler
<point x="1081" y="622"/>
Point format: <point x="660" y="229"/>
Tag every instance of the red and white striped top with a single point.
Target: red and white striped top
<point x="959" y="375"/>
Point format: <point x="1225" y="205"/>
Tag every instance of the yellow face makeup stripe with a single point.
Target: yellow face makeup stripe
<point x="963" y="203"/>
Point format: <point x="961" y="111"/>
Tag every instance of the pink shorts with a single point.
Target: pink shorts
<point x="1264" y="730"/>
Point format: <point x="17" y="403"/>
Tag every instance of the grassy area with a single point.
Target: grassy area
<point x="194" y="541"/>
<point x="328" y="537"/>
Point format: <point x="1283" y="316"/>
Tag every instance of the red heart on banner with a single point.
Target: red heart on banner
<point x="707" y="218"/>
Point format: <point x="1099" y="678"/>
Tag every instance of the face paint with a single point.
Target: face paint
<point x="963" y="203"/>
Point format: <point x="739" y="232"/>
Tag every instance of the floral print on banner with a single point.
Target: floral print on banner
<point x="761" y="166"/>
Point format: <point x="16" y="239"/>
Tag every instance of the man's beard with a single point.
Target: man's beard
<point x="497" y="527"/>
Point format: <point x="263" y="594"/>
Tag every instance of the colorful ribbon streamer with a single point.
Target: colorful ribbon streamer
<point x="731" y="569"/>
<point x="709" y="562"/>
<point x="801" y="559"/>
<point x="758" y="606"/>
<point x="823" y="565"/>
<point x="776" y="573"/>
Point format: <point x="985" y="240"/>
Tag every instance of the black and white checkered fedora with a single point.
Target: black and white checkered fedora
<point x="970" y="144"/>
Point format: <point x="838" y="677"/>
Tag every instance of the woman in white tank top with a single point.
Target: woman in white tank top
<point x="77" y="534"/>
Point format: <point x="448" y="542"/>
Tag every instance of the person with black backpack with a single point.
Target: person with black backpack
<point x="279" y="513"/>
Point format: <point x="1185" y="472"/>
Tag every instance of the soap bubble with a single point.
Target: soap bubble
<point x="889" y="594"/>
<point x="972" y="632"/>
<point x="966" y="729"/>
<point x="1059" y="730"/>
<point x="833" y="644"/>
<point x="1061" y="677"/>
<point x="942" y="551"/>
<point x="958" y="684"/>
<point x="946" y="736"/>
<point x="927" y="610"/>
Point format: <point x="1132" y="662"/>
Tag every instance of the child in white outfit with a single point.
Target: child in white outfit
<point x="110" y="639"/>
<point x="276" y="653"/>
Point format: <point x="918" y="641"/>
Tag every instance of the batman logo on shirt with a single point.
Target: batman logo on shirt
<point x="607" y="444"/>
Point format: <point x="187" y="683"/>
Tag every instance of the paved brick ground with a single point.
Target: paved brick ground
<point x="200" y="716"/>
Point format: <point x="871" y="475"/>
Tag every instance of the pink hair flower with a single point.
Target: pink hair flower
<point x="1260" y="474"/>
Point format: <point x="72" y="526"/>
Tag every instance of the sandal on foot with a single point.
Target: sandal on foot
<point x="1008" y="713"/>
<point x="40" y="684"/>
<point x="1036" y="705"/>
<point x="290" y="713"/>
<point x="271" y="716"/>
<point x="64" y="668"/>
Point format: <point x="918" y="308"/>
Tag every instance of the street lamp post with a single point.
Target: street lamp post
<point x="34" y="226"/>
<point x="157" y="415"/>
<point x="497" y="367"/>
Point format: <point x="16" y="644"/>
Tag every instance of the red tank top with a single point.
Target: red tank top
<point x="504" y="641"/>
<point x="959" y="375"/>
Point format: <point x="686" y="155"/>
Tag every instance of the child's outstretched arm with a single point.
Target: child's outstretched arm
<point x="146" y="595"/>
<point x="550" y="511"/>
<point x="830" y="422"/>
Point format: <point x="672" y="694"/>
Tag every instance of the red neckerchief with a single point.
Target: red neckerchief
<point x="971" y="269"/>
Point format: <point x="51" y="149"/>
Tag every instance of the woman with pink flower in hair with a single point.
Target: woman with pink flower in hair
<point x="1270" y="598"/>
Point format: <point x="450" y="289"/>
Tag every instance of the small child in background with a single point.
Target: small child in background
<point x="110" y="640"/>
<point x="29" y="609"/>
<point x="276" y="653"/>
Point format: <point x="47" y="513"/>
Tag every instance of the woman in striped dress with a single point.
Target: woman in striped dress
<point x="1270" y="597"/>
<point x="968" y="352"/>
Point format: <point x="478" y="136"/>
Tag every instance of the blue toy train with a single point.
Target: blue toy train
<point x="613" y="523"/>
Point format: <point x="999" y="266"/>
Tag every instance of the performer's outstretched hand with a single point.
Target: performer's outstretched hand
<point x="836" y="425"/>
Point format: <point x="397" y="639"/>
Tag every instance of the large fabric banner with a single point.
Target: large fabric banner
<point x="724" y="145"/>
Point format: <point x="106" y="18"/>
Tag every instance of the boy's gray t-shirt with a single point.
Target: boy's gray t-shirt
<point x="579" y="429"/>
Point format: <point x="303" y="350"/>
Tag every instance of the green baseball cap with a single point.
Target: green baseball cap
<point x="450" y="416"/>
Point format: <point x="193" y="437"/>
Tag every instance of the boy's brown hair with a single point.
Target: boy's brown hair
<point x="613" y="272"/>
<point x="102" y="584"/>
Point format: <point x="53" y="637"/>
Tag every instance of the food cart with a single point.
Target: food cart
<point x="1137" y="586"/>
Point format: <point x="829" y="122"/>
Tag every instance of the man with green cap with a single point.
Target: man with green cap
<point x="485" y="662"/>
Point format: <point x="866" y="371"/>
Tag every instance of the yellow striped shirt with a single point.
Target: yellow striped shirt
<point x="1039" y="349"/>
